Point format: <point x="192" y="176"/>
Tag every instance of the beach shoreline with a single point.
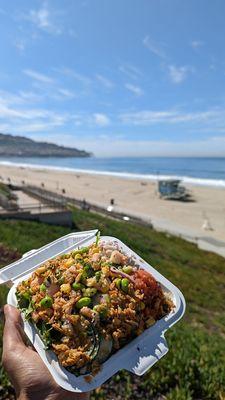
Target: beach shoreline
<point x="137" y="197"/>
<point x="196" y="181"/>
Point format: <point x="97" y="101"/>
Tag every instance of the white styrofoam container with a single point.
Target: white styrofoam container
<point x="137" y="356"/>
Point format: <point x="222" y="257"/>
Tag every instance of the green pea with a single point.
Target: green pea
<point x="98" y="275"/>
<point x="118" y="283"/>
<point x="89" y="292"/>
<point x="101" y="310"/>
<point x="128" y="269"/>
<point x="83" y="302"/>
<point x="77" y="286"/>
<point x="46" y="302"/>
<point x="125" y="284"/>
<point x="42" y="287"/>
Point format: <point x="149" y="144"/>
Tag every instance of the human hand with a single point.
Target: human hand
<point x="27" y="372"/>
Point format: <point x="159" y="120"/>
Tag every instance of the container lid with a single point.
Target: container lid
<point x="33" y="258"/>
<point x="136" y="356"/>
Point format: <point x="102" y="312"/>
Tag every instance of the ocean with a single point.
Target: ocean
<point x="200" y="171"/>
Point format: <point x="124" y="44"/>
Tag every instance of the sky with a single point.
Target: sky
<point x="118" y="78"/>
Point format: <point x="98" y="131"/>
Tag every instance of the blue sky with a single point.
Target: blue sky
<point x="130" y="77"/>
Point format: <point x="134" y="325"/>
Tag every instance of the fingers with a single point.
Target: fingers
<point x="12" y="336"/>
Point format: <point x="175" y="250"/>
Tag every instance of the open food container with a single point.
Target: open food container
<point x="137" y="356"/>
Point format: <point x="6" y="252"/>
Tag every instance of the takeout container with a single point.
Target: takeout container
<point x="137" y="356"/>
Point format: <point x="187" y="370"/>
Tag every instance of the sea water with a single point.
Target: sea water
<point x="201" y="171"/>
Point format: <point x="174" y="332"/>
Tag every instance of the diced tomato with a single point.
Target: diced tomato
<point x="146" y="283"/>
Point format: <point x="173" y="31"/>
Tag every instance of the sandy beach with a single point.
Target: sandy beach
<point x="133" y="196"/>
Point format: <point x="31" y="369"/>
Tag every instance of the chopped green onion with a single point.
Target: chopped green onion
<point x="98" y="275"/>
<point x="42" y="287"/>
<point x="89" y="270"/>
<point x="97" y="238"/>
<point x="80" y="251"/>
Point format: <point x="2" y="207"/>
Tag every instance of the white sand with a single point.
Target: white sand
<point x="132" y="196"/>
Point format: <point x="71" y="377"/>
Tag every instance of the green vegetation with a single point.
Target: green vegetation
<point x="24" y="147"/>
<point x="5" y="191"/>
<point x="194" y="368"/>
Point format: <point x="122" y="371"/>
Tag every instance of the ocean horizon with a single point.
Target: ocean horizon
<point x="208" y="171"/>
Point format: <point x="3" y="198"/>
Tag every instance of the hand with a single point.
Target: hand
<point x="27" y="372"/>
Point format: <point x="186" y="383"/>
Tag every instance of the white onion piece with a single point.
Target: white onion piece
<point x="121" y="273"/>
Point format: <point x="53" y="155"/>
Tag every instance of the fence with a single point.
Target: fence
<point x="48" y="197"/>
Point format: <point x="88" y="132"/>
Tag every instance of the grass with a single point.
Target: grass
<point x="194" y="368"/>
<point x="5" y="191"/>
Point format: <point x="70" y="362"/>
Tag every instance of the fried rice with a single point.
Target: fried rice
<point x="89" y="303"/>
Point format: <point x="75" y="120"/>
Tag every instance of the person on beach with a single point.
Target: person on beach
<point x="27" y="372"/>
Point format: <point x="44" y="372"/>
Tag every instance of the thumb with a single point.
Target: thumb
<point x="13" y="331"/>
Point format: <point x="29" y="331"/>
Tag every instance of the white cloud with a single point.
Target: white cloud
<point x="149" y="117"/>
<point x="195" y="44"/>
<point x="18" y="114"/>
<point x="146" y="117"/>
<point x="43" y="123"/>
<point x="15" y="111"/>
<point x="29" y="97"/>
<point x="131" y="71"/>
<point x="65" y="93"/>
<point x="45" y="83"/>
<point x="154" y="47"/>
<point x="36" y="121"/>
<point x="8" y="98"/>
<point x="35" y="127"/>
<point x="134" y="89"/>
<point x="25" y="119"/>
<point x="38" y="76"/>
<point x="101" y="119"/>
<point x="43" y="19"/>
<point x="105" y="81"/>
<point x="214" y="146"/>
<point x="71" y="73"/>
<point x="178" y="74"/>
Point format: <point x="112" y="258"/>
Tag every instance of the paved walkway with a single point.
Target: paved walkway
<point x="201" y="238"/>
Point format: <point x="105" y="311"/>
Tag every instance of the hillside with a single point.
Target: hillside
<point x="20" y="146"/>
<point x="194" y="368"/>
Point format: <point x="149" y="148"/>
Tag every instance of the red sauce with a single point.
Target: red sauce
<point x="146" y="283"/>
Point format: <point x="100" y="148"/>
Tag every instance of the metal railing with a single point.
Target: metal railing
<point x="34" y="208"/>
<point x="46" y="196"/>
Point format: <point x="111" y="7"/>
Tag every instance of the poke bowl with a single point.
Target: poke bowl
<point x="91" y="307"/>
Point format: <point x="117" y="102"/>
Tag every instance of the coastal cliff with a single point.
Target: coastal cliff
<point x="19" y="146"/>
